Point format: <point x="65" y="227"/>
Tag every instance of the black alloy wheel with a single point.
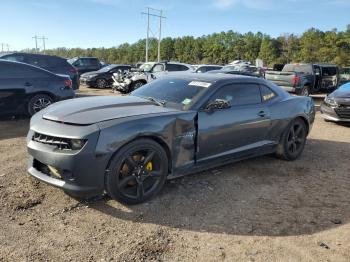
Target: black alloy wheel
<point x="293" y="140"/>
<point x="101" y="83"/>
<point x="137" y="172"/>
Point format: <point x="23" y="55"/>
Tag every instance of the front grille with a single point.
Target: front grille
<point x="343" y="111"/>
<point x="59" y="142"/>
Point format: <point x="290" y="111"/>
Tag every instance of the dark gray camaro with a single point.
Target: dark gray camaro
<point x="128" y="146"/>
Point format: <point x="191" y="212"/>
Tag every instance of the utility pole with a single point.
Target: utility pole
<point x="3" y="45"/>
<point x="36" y="43"/>
<point x="43" y="38"/>
<point x="160" y="16"/>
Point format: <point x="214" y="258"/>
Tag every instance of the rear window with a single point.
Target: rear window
<point x="307" y="69"/>
<point x="329" y="71"/>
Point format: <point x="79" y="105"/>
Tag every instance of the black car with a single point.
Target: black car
<point x="103" y="77"/>
<point x="336" y="106"/>
<point x="85" y="64"/>
<point x="129" y="145"/>
<point x="26" y="89"/>
<point x="54" y="64"/>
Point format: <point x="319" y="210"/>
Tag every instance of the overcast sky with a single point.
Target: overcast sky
<point x="106" y="23"/>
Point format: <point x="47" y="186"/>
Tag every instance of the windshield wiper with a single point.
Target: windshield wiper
<point x="158" y="102"/>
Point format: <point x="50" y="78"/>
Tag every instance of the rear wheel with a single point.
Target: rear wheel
<point x="137" y="172"/>
<point x="101" y="83"/>
<point x="38" y="102"/>
<point x="293" y="140"/>
<point x="305" y="91"/>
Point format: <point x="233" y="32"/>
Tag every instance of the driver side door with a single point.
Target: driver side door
<point x="236" y="130"/>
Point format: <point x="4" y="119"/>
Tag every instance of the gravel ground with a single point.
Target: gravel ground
<point x="261" y="209"/>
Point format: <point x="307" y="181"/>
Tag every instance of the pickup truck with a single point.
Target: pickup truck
<point x="305" y="79"/>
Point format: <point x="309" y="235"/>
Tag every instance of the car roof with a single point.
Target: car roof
<point x="31" y="54"/>
<point x="4" y="61"/>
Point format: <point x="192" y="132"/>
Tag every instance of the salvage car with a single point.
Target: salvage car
<point x="336" y="106"/>
<point x="146" y="73"/>
<point x="306" y="79"/>
<point x="103" y="77"/>
<point x="26" y="89"/>
<point x="128" y="146"/>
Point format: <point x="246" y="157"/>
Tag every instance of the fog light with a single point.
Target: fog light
<point x="77" y="144"/>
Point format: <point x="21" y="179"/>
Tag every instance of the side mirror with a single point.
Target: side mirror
<point x="217" y="105"/>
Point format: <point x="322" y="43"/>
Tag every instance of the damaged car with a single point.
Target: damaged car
<point x="128" y="146"/>
<point x="147" y="72"/>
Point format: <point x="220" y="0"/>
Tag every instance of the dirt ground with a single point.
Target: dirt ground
<point x="261" y="209"/>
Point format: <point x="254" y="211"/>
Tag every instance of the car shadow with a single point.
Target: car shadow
<point x="262" y="196"/>
<point x="11" y="127"/>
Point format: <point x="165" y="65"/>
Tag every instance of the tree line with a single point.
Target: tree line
<point x="221" y="48"/>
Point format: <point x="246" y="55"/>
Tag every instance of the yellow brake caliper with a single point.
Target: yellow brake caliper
<point x="149" y="166"/>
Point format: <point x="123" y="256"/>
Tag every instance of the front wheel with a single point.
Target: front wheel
<point x="38" y="102"/>
<point x="137" y="172"/>
<point x="293" y="140"/>
<point x="101" y="83"/>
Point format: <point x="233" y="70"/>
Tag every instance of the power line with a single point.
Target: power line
<point x="3" y="47"/>
<point x="160" y="16"/>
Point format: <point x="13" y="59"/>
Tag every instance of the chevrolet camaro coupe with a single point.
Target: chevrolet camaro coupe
<point x="128" y="146"/>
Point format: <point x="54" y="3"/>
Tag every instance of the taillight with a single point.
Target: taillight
<point x="295" y="80"/>
<point x="68" y="83"/>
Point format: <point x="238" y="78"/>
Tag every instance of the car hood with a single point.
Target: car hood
<point x="343" y="92"/>
<point x="87" y="111"/>
<point x="91" y="73"/>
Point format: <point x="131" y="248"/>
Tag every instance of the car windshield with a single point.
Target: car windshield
<point x="147" y="67"/>
<point x="307" y="69"/>
<point x="178" y="93"/>
<point x="72" y="60"/>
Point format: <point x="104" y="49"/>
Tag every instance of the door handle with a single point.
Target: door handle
<point x="27" y="84"/>
<point x="262" y="114"/>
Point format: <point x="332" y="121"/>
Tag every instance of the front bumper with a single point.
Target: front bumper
<point x="81" y="172"/>
<point x="331" y="114"/>
<point x="87" y="81"/>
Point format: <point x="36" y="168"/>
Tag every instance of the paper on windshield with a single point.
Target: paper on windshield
<point x="199" y="83"/>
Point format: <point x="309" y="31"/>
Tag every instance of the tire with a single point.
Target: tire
<point x="136" y="85"/>
<point x="38" y="102"/>
<point x="305" y="91"/>
<point x="293" y="140"/>
<point x="137" y="172"/>
<point x="101" y="83"/>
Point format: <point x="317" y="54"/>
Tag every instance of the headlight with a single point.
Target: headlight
<point x="330" y="101"/>
<point x="77" y="144"/>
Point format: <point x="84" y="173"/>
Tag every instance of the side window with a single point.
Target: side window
<point x="20" y="71"/>
<point x="79" y="62"/>
<point x="16" y="58"/>
<point x="182" y="68"/>
<point x="38" y="61"/>
<point x="202" y="69"/>
<point x="239" y="94"/>
<point x="158" y="68"/>
<point x="266" y="93"/>
<point x="171" y="67"/>
<point x="329" y="71"/>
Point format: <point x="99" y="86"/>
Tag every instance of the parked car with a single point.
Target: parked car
<point x="85" y="64"/>
<point x="336" y="106"/>
<point x="206" y="68"/>
<point x="168" y="128"/>
<point x="55" y="64"/>
<point x="103" y="77"/>
<point x="146" y="73"/>
<point x="26" y="89"/>
<point x="344" y="75"/>
<point x="305" y="79"/>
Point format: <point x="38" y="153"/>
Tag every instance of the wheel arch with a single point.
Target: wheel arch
<point x="155" y="138"/>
